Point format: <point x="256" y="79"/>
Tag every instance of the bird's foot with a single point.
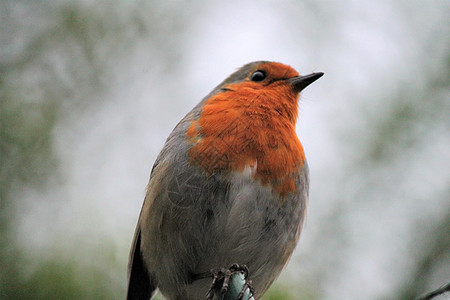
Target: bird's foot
<point x="221" y="280"/>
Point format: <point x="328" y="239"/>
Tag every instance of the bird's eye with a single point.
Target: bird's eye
<point x="258" y="76"/>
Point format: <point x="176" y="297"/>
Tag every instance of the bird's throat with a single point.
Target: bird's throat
<point x="233" y="135"/>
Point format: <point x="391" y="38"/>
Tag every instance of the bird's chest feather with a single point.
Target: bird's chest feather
<point x="253" y="135"/>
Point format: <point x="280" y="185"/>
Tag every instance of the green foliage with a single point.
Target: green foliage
<point x="57" y="279"/>
<point x="276" y="292"/>
<point x="284" y="291"/>
<point x="26" y="157"/>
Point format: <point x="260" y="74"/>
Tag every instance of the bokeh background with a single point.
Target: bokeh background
<point x="89" y="90"/>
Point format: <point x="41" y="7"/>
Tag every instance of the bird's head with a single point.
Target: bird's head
<point x="278" y="84"/>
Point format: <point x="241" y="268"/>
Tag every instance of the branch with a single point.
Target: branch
<point x="442" y="290"/>
<point x="237" y="284"/>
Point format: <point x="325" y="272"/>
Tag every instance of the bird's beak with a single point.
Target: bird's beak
<point x="300" y="82"/>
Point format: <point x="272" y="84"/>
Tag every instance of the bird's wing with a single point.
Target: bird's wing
<point x="140" y="285"/>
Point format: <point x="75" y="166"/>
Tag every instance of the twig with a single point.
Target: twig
<point x="442" y="290"/>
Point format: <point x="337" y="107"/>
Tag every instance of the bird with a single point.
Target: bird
<point x="229" y="188"/>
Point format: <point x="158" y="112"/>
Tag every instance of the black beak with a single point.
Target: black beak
<point x="300" y="82"/>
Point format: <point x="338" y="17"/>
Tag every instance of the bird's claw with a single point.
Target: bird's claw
<point x="221" y="280"/>
<point x="247" y="285"/>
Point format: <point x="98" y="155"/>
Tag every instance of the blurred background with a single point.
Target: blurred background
<point x="89" y="90"/>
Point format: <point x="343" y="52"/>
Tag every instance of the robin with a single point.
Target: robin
<point x="229" y="188"/>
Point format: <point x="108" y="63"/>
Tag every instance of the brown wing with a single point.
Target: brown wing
<point x="140" y="285"/>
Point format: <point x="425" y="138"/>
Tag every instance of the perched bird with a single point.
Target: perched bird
<point x="229" y="187"/>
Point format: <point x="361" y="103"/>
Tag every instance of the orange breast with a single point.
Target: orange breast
<point x="245" y="126"/>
